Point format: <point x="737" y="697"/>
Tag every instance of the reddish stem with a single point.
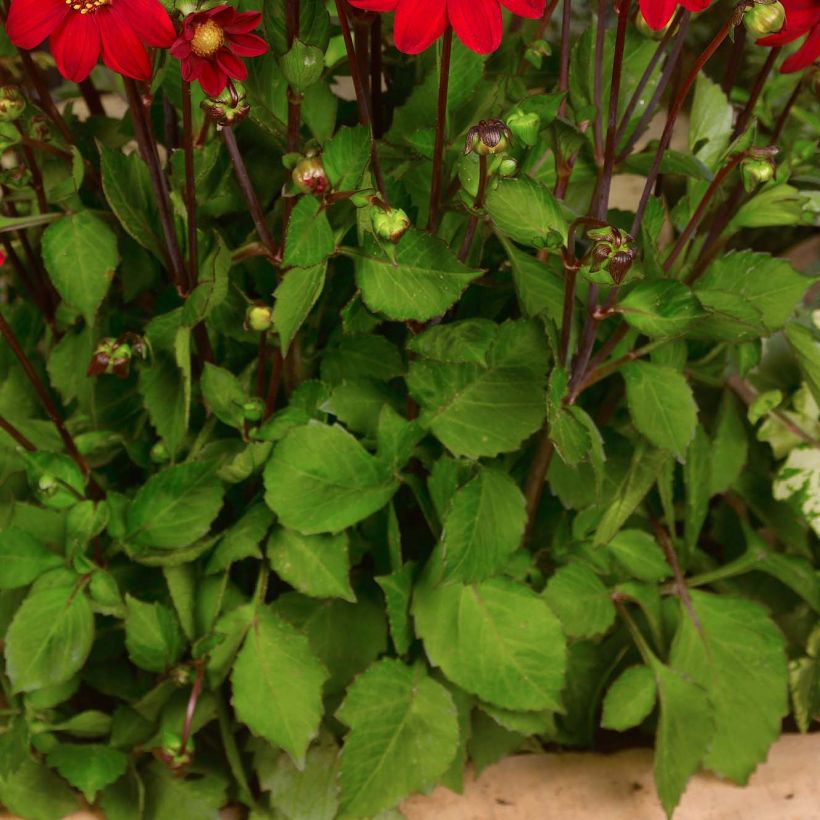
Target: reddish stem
<point x="441" y="128"/>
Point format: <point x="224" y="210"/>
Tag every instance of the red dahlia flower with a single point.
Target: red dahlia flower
<point x="478" y="24"/>
<point x="802" y="17"/>
<point x="658" y="13"/>
<point x="81" y="30"/>
<point x="211" y="43"/>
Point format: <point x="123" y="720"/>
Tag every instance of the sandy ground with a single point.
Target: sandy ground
<point x="620" y="787"/>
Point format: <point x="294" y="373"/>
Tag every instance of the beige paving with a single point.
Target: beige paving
<point x="620" y="787"/>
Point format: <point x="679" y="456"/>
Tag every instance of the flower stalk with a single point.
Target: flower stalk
<point x="441" y="129"/>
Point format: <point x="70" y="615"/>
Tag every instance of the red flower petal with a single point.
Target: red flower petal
<point x="696" y="5"/>
<point x="212" y="79"/>
<point x="243" y="23"/>
<point x="76" y="46"/>
<point x="657" y="13"/>
<point x="418" y="24"/>
<point x="31" y="21"/>
<point x="122" y="50"/>
<point x="231" y="65"/>
<point x="805" y="55"/>
<point x="375" y="5"/>
<point x="526" y="8"/>
<point x="477" y="23"/>
<point x="247" y="45"/>
<point x="149" y="20"/>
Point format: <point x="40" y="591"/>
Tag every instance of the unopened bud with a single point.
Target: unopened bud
<point x="508" y="167"/>
<point x="309" y="176"/>
<point x="258" y="318"/>
<point x="613" y="251"/>
<point x="111" y="356"/>
<point x="488" y="137"/>
<point x="755" y="172"/>
<point x="390" y="223"/>
<point x="764" y="18"/>
<point x="12" y="103"/>
<point x="159" y="453"/>
<point x="253" y="410"/>
<point x="229" y="108"/>
<point x="524" y="127"/>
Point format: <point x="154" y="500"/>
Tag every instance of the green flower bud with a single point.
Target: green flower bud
<point x="755" y="171"/>
<point x="253" y="410"/>
<point x="390" y="224"/>
<point x="258" y="318"/>
<point x="764" y="18"/>
<point x="524" y="127"/>
<point x="229" y="108"/>
<point x="310" y="178"/>
<point x="488" y="137"/>
<point x="613" y="251"/>
<point x="12" y="103"/>
<point x="508" y="167"/>
<point x="159" y="453"/>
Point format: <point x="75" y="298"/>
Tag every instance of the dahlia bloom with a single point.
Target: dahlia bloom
<point x="477" y="23"/>
<point x="211" y="43"/>
<point x="802" y="18"/>
<point x="658" y="13"/>
<point x="82" y="30"/>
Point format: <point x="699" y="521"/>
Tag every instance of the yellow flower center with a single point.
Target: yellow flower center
<point x="208" y="39"/>
<point x="85" y="6"/>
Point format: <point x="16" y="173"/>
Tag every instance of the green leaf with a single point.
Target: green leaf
<point x="710" y="123"/>
<point x="320" y="479"/>
<point x="345" y="637"/>
<point x="661" y="405"/>
<point x="403" y="735"/>
<point x="397" y="589"/>
<point x="317" y="565"/>
<point x="806" y="347"/>
<point x="174" y="507"/>
<point x="37" y="793"/>
<point x="224" y="395"/>
<point x="212" y="288"/>
<point x="496" y="639"/>
<point x="729" y="446"/>
<point x="310" y="238"/>
<point x="732" y="637"/>
<point x="163" y="387"/>
<point x="274" y="656"/>
<point x="639" y="554"/>
<point x="242" y="540"/>
<point x="310" y="792"/>
<point x="89" y="767"/>
<point x="345" y="157"/>
<point x="183" y="798"/>
<point x="152" y="635"/>
<point x="644" y="469"/>
<point x="770" y="286"/>
<point x="23" y="558"/>
<point x="128" y="190"/>
<point x="463" y="403"/>
<point x="420" y="279"/>
<point x="295" y="297"/>
<point x="50" y="638"/>
<point x="685" y="731"/>
<point x="660" y="308"/>
<point x="483" y="526"/>
<point x="80" y="254"/>
<point x="540" y="291"/>
<point x="630" y="699"/>
<point x="526" y="212"/>
<point x="580" y="600"/>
